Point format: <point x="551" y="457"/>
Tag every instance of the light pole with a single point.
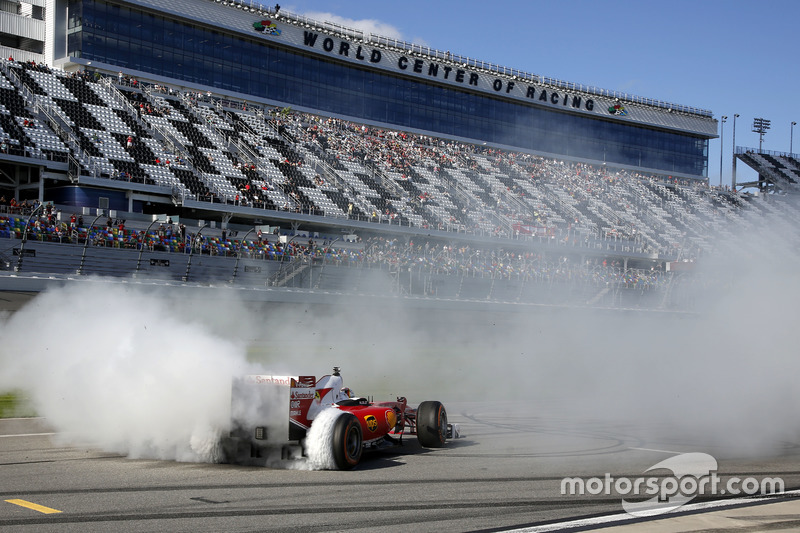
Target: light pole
<point x="760" y="126"/>
<point x="733" y="169"/>
<point x="324" y="254"/>
<point x="791" y="135"/>
<point x="721" y="146"/>
<point x="86" y="242"/>
<point x="239" y="254"/>
<point x="199" y="241"/>
<point x="25" y="237"/>
<point x="141" y="246"/>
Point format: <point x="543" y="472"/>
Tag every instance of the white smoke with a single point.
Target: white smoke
<point x="126" y="371"/>
<point x="370" y="26"/>
<point x="149" y="375"/>
<point x="319" y="438"/>
<point x="146" y="375"/>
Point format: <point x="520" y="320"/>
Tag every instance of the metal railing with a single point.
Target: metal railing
<point x="359" y="36"/>
<point x="745" y="150"/>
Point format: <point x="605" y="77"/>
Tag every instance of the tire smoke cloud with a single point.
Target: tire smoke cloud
<point x="125" y="371"/>
<point x="148" y="375"/>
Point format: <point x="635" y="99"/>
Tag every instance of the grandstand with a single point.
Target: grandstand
<point x="193" y="181"/>
<point x="778" y="172"/>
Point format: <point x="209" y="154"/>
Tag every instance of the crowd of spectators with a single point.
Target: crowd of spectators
<point x="427" y="256"/>
<point x="502" y="263"/>
<point x="520" y="190"/>
<point x="452" y="185"/>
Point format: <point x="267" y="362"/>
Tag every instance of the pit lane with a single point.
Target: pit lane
<point x="504" y="473"/>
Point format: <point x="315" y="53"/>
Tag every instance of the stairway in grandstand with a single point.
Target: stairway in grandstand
<point x="25" y="132"/>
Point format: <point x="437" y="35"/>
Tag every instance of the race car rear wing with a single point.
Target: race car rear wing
<point x="307" y="397"/>
<point x="256" y="402"/>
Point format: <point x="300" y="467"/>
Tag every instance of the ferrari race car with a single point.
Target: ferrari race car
<point x="331" y="426"/>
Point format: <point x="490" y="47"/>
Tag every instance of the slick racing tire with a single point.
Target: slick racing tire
<point x="431" y="424"/>
<point x="347" y="441"/>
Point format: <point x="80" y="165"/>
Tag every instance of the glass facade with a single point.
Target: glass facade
<point x="133" y="39"/>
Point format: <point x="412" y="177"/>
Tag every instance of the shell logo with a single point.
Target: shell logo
<point x="391" y="419"/>
<point x="372" y="422"/>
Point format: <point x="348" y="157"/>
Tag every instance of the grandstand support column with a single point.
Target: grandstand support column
<point x="733" y="155"/>
<point x="18" y="268"/>
<point x="721" y="146"/>
<point x="191" y="252"/>
<point x="141" y="246"/>
<point x="86" y="243"/>
<point x="239" y="255"/>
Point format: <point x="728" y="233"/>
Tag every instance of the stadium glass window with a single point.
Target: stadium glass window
<point x="74" y="14"/>
<point x="74" y="41"/>
<point x="277" y="74"/>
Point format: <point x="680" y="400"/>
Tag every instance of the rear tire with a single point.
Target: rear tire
<point x="431" y="424"/>
<point x="347" y="441"/>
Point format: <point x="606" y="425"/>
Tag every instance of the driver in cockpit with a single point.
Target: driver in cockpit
<point x="344" y="394"/>
<point x="346" y="397"/>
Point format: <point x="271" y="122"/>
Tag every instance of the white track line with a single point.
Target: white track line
<point x="655" y="450"/>
<point x="25" y="435"/>
<point x="625" y="517"/>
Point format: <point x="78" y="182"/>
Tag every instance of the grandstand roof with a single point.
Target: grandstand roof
<point x="336" y="42"/>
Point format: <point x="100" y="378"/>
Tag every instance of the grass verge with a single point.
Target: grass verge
<point x="14" y="404"/>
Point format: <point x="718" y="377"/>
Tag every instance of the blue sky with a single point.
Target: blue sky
<point x="727" y="57"/>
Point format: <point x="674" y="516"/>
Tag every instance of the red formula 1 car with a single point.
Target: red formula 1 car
<point x="323" y="415"/>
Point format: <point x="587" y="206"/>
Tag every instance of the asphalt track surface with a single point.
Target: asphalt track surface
<point x="505" y="473"/>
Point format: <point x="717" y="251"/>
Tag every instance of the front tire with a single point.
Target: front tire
<point x="431" y="424"/>
<point x="347" y="441"/>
